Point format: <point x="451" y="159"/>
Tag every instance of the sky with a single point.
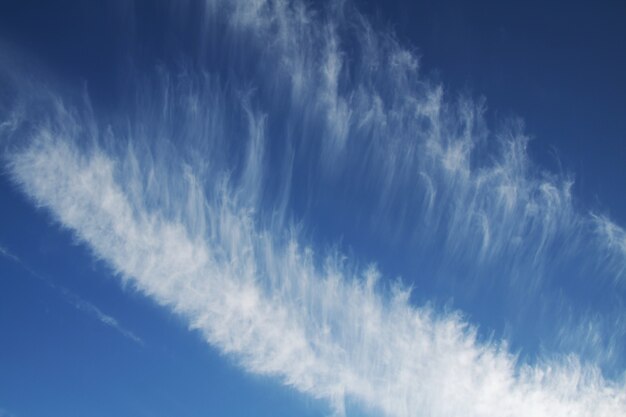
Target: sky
<point x="329" y="208"/>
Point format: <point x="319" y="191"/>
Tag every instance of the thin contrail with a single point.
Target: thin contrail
<point x="74" y="299"/>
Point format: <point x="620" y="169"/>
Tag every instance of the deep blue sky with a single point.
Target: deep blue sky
<point x="558" y="65"/>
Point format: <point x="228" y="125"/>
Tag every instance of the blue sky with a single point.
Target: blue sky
<point x="329" y="208"/>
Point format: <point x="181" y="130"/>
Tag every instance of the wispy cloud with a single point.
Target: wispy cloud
<point x="384" y="150"/>
<point x="73" y="299"/>
<point x="330" y="329"/>
<point x="189" y="192"/>
<point x="4" y="252"/>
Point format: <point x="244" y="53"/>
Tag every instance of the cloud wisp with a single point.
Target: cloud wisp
<point x="325" y="328"/>
<point x="75" y="300"/>
<point x="190" y="192"/>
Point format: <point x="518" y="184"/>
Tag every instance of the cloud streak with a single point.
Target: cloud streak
<point x="75" y="300"/>
<point x="330" y="330"/>
<point x="189" y="195"/>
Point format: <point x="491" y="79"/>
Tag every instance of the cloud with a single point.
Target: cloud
<point x="4" y="252"/>
<point x="614" y="237"/>
<point x="330" y="330"/>
<point x="389" y="156"/>
<point x="190" y="191"/>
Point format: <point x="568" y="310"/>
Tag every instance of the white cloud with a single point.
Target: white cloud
<point x="329" y="330"/>
<point x="614" y="237"/>
<point x="204" y="230"/>
<point x="417" y="171"/>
